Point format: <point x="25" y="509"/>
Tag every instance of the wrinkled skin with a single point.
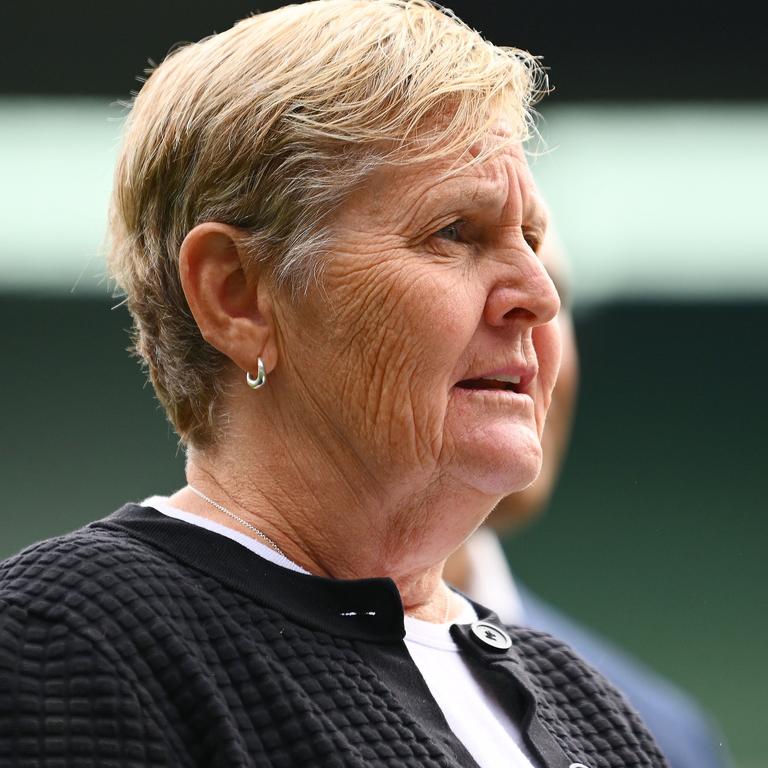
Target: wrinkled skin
<point x="361" y="456"/>
<point x="413" y="306"/>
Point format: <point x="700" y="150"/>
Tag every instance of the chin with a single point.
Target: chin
<point x="501" y="466"/>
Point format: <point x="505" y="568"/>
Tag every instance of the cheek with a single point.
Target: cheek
<point x="397" y="348"/>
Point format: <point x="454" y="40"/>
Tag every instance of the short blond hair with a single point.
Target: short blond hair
<point x="268" y="127"/>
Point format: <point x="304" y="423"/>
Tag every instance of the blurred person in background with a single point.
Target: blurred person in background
<point x="327" y="232"/>
<point x="480" y="569"/>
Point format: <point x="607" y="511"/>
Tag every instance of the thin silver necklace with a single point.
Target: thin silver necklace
<point x="240" y="520"/>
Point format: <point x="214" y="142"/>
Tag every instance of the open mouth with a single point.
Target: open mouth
<point x="504" y="383"/>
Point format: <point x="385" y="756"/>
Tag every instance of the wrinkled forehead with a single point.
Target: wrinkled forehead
<point x="497" y="169"/>
<point x="492" y="175"/>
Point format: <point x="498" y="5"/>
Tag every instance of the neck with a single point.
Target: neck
<point x="337" y="528"/>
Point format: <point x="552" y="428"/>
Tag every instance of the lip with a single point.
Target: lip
<point x="526" y="371"/>
<point x="498" y="396"/>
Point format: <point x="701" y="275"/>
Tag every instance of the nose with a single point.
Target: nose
<point x="528" y="298"/>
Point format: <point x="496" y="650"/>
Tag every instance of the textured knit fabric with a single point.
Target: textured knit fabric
<point x="144" y="641"/>
<point x="471" y="711"/>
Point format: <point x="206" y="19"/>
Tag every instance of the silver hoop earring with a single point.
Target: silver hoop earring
<point x="261" y="377"/>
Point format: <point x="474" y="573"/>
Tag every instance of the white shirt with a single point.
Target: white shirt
<point x="477" y="720"/>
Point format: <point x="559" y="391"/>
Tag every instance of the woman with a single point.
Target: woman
<point x="326" y="230"/>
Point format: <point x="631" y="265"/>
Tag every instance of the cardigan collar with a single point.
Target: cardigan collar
<point x="358" y="609"/>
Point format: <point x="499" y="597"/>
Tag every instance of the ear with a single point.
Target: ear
<point x="231" y="305"/>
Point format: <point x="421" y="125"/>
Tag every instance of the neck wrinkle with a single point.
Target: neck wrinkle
<point x="338" y="534"/>
<point x="333" y="525"/>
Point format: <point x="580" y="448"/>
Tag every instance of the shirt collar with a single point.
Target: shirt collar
<point x="162" y="504"/>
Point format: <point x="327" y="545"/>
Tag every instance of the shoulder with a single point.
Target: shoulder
<point x="63" y="617"/>
<point x="80" y="554"/>
<point x="75" y="578"/>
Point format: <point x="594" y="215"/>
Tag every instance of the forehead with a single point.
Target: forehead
<point x="493" y="180"/>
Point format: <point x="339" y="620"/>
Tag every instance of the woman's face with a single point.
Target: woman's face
<point x="429" y="353"/>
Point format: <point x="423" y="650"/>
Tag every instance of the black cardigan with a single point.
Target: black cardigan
<point x="141" y="640"/>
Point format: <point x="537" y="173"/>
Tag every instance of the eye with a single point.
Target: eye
<point x="533" y="241"/>
<point x="451" y="232"/>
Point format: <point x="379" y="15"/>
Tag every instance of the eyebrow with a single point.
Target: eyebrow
<point x="457" y="195"/>
<point x="460" y="198"/>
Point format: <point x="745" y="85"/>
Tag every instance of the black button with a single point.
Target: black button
<point x="490" y="636"/>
